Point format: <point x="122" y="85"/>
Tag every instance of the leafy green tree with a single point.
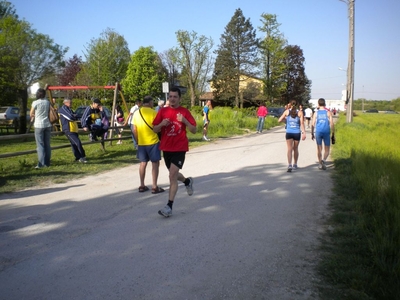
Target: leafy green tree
<point x="236" y="58"/>
<point x="26" y="57"/>
<point x="298" y="86"/>
<point x="145" y="74"/>
<point x="273" y="57"/>
<point x="107" y="58"/>
<point x="193" y="58"/>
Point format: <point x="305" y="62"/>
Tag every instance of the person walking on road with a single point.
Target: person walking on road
<point x="40" y="113"/>
<point x="173" y="121"/>
<point x="148" y="144"/>
<point x="323" y="124"/>
<point x="262" y="112"/>
<point x="206" y="119"/>
<point x="294" y="131"/>
<point x="308" y="114"/>
<point x="70" y="128"/>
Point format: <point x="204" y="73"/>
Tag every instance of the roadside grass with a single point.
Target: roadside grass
<point x="18" y="173"/>
<point x="361" y="253"/>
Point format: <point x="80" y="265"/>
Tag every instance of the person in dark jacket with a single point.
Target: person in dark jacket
<point x="94" y="119"/>
<point x="70" y="128"/>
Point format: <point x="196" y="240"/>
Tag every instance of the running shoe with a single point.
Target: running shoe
<point x="189" y="187"/>
<point x="165" y="212"/>
<point x="289" y="169"/>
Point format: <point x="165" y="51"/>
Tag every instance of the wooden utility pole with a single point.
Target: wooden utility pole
<point x="350" y="66"/>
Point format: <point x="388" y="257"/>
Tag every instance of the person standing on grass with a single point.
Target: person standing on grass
<point x="119" y="122"/>
<point x="70" y="129"/>
<point x="323" y="124"/>
<point x="206" y="119"/>
<point x="294" y="131"/>
<point x="172" y="121"/>
<point x="40" y="112"/>
<point x="148" y="144"/>
<point x="262" y="112"/>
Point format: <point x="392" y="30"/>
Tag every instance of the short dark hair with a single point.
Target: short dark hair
<point x="176" y="89"/>
<point x="321" y="102"/>
<point x="147" y="99"/>
<point x="40" y="93"/>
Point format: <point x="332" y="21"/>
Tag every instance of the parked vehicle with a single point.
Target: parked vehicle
<point x="275" y="112"/>
<point x="9" y="116"/>
<point x="80" y="110"/>
<point x="391" y="112"/>
<point x="373" y="110"/>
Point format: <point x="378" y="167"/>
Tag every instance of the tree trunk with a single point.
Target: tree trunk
<point x="23" y="105"/>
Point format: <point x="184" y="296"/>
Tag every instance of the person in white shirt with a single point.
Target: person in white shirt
<point x="308" y="114"/>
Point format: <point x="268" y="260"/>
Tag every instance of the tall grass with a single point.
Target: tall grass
<point x="18" y="172"/>
<point x="363" y="251"/>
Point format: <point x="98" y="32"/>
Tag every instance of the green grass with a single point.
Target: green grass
<point x="362" y="252"/>
<point x="18" y="172"/>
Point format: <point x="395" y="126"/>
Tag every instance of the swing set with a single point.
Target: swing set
<point x="116" y="88"/>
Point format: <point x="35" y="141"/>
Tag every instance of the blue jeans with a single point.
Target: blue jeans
<point x="260" y="124"/>
<point x="42" y="137"/>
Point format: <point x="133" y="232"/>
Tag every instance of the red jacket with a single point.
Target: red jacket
<point x="262" y="111"/>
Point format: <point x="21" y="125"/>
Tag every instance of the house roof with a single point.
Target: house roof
<point x="207" y="96"/>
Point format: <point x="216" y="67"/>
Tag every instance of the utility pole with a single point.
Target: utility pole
<point x="350" y="67"/>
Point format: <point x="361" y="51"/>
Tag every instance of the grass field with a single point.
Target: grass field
<point x="19" y="173"/>
<point x="362" y="252"/>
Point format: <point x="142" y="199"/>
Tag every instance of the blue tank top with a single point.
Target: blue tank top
<point x="322" y="122"/>
<point x="292" y="124"/>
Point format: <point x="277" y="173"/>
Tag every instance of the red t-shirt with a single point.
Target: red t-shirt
<point x="173" y="136"/>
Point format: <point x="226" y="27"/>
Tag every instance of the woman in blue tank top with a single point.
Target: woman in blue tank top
<point x="294" y="131"/>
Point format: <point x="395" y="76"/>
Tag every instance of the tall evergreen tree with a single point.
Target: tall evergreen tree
<point x="236" y="59"/>
<point x="298" y="85"/>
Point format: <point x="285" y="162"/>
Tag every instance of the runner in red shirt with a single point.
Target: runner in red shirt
<point x="172" y="122"/>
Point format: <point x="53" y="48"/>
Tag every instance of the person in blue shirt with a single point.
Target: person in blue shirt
<point x="294" y="131"/>
<point x="70" y="128"/>
<point x="322" y="122"/>
<point x="94" y="120"/>
<point x="206" y="119"/>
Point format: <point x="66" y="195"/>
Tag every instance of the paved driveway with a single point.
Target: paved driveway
<point x="250" y="231"/>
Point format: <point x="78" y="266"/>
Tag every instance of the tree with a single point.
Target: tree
<point x="72" y="67"/>
<point x="298" y="86"/>
<point x="193" y="57"/>
<point x="107" y="58"/>
<point x="273" y="56"/>
<point x="145" y="74"/>
<point x="27" y="57"/>
<point x="169" y="59"/>
<point x="236" y="58"/>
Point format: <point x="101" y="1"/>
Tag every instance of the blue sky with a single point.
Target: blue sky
<point x="319" y="27"/>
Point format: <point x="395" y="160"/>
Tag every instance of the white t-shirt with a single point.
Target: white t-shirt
<point x="308" y="112"/>
<point x="131" y="112"/>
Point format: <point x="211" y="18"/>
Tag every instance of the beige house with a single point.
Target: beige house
<point x="245" y="82"/>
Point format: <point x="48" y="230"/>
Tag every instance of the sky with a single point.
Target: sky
<point x="319" y="27"/>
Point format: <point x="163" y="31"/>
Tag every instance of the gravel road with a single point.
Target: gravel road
<point x="250" y="230"/>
